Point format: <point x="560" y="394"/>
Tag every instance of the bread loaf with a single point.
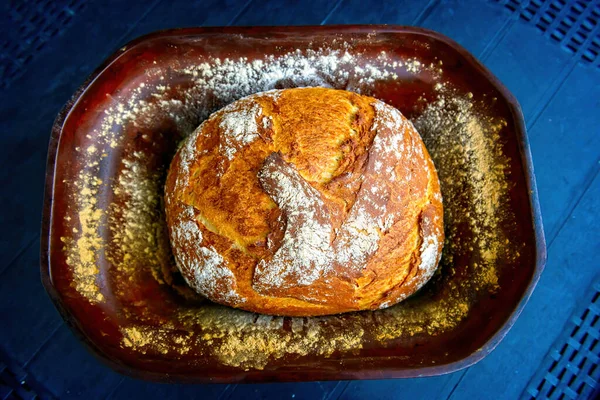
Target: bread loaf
<point x="304" y="202"/>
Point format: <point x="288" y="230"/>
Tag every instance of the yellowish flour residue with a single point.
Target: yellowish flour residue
<point x="83" y="247"/>
<point x="462" y="139"/>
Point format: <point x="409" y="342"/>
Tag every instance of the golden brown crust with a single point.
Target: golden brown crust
<point x="305" y="202"/>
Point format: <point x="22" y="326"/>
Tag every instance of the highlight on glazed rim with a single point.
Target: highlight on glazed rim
<point x="305" y="202"/>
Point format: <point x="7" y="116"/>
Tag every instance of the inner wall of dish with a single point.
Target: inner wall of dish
<point x="113" y="242"/>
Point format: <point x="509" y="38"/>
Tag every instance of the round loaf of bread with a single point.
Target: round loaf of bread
<point x="306" y="201"/>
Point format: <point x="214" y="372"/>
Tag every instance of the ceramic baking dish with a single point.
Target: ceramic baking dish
<point x="106" y="260"/>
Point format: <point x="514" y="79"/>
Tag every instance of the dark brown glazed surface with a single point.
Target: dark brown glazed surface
<point x="127" y="310"/>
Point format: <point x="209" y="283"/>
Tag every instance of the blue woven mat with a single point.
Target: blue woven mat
<point x="546" y="52"/>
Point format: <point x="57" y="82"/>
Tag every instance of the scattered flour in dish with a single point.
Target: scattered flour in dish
<point x="458" y="133"/>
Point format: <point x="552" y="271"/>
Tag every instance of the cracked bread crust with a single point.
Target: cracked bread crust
<point x="306" y="201"/>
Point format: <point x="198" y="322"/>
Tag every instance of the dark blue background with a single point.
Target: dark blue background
<point x="48" y="49"/>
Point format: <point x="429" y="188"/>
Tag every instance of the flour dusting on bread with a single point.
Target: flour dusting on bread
<point x="429" y="255"/>
<point x="188" y="156"/>
<point x="369" y="218"/>
<point x="304" y="255"/>
<point x="207" y="271"/>
<point x="322" y="251"/>
<point x="186" y="229"/>
<point x="239" y="126"/>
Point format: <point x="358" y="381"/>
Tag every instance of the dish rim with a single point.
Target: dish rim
<point x="412" y="372"/>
